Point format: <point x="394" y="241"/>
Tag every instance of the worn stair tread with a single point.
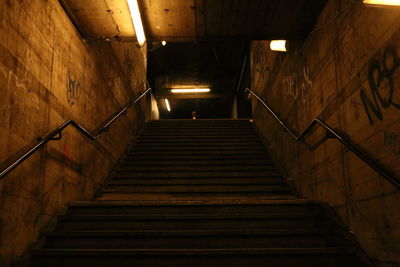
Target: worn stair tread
<point x="196" y="162"/>
<point x="182" y="252"/>
<point x="211" y="128"/>
<point x="171" y="134"/>
<point x="211" y="216"/>
<point x="196" y="189"/>
<point x="298" y="201"/>
<point x="187" y="174"/>
<point x="197" y="149"/>
<point x="191" y="196"/>
<point x="214" y="153"/>
<point x="231" y="157"/>
<point x="198" y="139"/>
<point x="196" y="181"/>
<point x="230" y="171"/>
<point x="154" y="157"/>
<point x="205" y="168"/>
<point x="161" y="144"/>
<point x="228" y="232"/>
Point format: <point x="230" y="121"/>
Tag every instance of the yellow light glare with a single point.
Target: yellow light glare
<point x="382" y="2"/>
<point x="167" y="104"/>
<point x="192" y="90"/>
<point x="278" y="45"/>
<point x="137" y="21"/>
<point x="164" y="43"/>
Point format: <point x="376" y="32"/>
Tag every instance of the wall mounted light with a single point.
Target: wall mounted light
<point x="382" y="2"/>
<point x="167" y="104"/>
<point x="190" y="90"/>
<point x="137" y="21"/>
<point x="278" y="45"/>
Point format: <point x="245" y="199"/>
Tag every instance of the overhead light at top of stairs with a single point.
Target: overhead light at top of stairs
<point x="382" y="2"/>
<point x="190" y="90"/>
<point x="278" y="45"/>
<point x="137" y="21"/>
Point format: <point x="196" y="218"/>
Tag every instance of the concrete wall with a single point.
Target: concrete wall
<point x="48" y="74"/>
<point x="347" y="72"/>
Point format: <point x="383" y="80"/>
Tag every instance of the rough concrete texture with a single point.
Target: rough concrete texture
<point x="347" y="73"/>
<point x="48" y="74"/>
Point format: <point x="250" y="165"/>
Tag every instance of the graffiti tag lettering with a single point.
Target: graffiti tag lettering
<point x="73" y="89"/>
<point x="381" y="84"/>
<point x="298" y="85"/>
<point x="392" y="140"/>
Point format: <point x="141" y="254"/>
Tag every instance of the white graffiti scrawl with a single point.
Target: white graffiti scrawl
<point x="298" y="85"/>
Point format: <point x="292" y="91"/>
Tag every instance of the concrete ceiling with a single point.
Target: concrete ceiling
<point x="206" y="39"/>
<point x="191" y="20"/>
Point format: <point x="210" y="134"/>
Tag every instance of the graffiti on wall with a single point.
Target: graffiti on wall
<point x="298" y="85"/>
<point x="381" y="85"/>
<point x="16" y="89"/>
<point x="73" y="89"/>
<point x="392" y="141"/>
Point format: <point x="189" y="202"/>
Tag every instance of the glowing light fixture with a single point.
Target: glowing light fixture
<point x="278" y="45"/>
<point x="167" y="104"/>
<point x="191" y="90"/>
<point x="382" y="2"/>
<point x="137" y="21"/>
<point x="164" y="43"/>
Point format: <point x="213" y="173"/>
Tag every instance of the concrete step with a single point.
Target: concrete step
<point x="200" y="128"/>
<point x="196" y="168"/>
<point x="200" y="124"/>
<point x="203" y="139"/>
<point x="184" y="142"/>
<point x="195" y="162"/>
<point x="198" y="159"/>
<point x="197" y="132"/>
<point x="195" y="239"/>
<point x="193" y="222"/>
<point x="198" y="121"/>
<point x="257" y="257"/>
<point x="200" y="173"/>
<point x="172" y="134"/>
<point x="197" y="188"/>
<point x="199" y="147"/>
<point x="197" y="180"/>
<point x="300" y="207"/>
<point x="195" y="154"/>
<point x="187" y="196"/>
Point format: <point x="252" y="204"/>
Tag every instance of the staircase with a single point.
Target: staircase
<point x="198" y="193"/>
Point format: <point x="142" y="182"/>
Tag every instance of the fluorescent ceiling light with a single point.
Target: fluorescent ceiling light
<point x="137" y="21"/>
<point x="192" y="90"/>
<point x="167" y="103"/>
<point x="382" y="2"/>
<point x="278" y="45"/>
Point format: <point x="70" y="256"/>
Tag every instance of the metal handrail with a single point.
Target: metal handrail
<point x="331" y="133"/>
<point x="57" y="133"/>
